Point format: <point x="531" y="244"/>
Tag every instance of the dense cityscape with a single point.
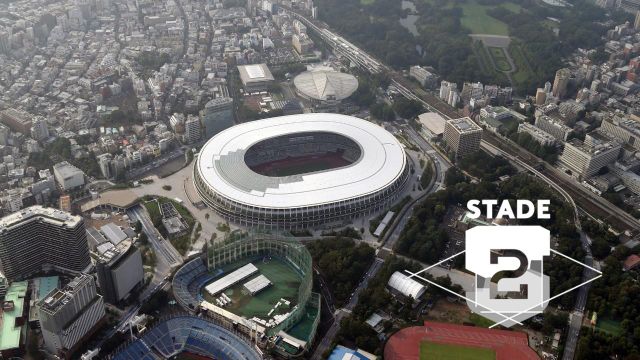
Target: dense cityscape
<point x="280" y="179"/>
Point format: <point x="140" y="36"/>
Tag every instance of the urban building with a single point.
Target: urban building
<point x="38" y="238"/>
<point x="462" y="136"/>
<point x="70" y="315"/>
<point x="255" y="77"/>
<point x="426" y="78"/>
<point x="585" y="159"/>
<point x="302" y="43"/>
<point x="119" y="270"/>
<point x="449" y="93"/>
<point x="217" y="116"/>
<point x="16" y="120"/>
<point x="622" y="128"/>
<point x="192" y="130"/>
<point x="561" y="82"/>
<point x="553" y="127"/>
<point x="432" y="125"/>
<point x="541" y="137"/>
<point x="541" y="97"/>
<point x="68" y="176"/>
<point x="325" y="88"/>
<point x="39" y="129"/>
<point x="13" y="318"/>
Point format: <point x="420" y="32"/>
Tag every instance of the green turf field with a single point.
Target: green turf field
<point x="434" y="351"/>
<point x="500" y="59"/>
<point x="302" y="330"/>
<point x="609" y="326"/>
<point x="285" y="285"/>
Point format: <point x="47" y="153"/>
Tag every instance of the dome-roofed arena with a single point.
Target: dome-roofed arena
<point x="324" y="85"/>
<point x="301" y="171"/>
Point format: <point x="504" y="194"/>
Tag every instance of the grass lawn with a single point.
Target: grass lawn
<point x="285" y="282"/>
<point x="476" y="19"/>
<point x="500" y="59"/>
<point x="480" y="321"/>
<point x="609" y="326"/>
<point x="434" y="351"/>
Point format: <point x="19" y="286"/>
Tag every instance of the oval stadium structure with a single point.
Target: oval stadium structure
<point x="301" y="171"/>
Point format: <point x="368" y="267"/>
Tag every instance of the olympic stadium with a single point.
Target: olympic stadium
<point x="301" y="171"/>
<point x="256" y="284"/>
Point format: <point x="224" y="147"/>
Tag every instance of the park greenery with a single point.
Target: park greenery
<point x="615" y="299"/>
<point x="342" y="263"/>
<point x="60" y="150"/>
<point x="443" y="40"/>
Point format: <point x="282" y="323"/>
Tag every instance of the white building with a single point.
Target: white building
<point x="537" y="134"/>
<point x="406" y="285"/>
<point x="585" y="159"/>
<point x="553" y="127"/>
<point x="462" y="136"/>
<point x="68" y="176"/>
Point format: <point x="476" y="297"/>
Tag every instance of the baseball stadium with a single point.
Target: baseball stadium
<point x="457" y="342"/>
<point x="258" y="284"/>
<point x="188" y="337"/>
<point x="301" y="171"/>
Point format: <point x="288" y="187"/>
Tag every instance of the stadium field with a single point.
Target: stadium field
<point x="435" y="351"/>
<point x="285" y="283"/>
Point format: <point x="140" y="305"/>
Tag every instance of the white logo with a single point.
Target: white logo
<point x="492" y="250"/>
<point x="513" y="257"/>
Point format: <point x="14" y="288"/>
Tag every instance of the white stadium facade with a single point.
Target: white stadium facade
<point x="301" y="171"/>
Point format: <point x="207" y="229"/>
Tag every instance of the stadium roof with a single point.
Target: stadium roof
<point x="221" y="163"/>
<point x="406" y="285"/>
<point x="324" y="85"/>
<point x="254" y="73"/>
<point x="231" y="279"/>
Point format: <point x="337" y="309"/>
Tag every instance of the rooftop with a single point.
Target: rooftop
<point x="324" y="85"/>
<point x="10" y="334"/>
<point x="51" y="215"/>
<point x="222" y="167"/>
<point x="464" y="125"/>
<point x="254" y="73"/>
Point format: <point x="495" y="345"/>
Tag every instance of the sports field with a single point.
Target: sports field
<point x="285" y="283"/>
<point x="301" y="165"/>
<point x="434" y="351"/>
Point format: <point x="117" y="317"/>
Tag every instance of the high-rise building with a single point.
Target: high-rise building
<point x="449" y="93"/>
<point x="462" y="136"/>
<point x="553" y="127"/>
<point x="119" y="270"/>
<point x="70" y="315"/>
<point x="561" y="82"/>
<point x="541" y="97"/>
<point x="585" y="159"/>
<point x="192" y="132"/>
<point x="217" y="116"/>
<point x="38" y="238"/>
<point x="471" y="91"/>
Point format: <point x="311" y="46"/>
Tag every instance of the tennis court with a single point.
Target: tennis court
<point x="434" y="351"/>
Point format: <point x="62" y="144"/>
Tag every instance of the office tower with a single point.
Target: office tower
<point x="217" y="116"/>
<point x="68" y="176"/>
<point x="38" y="238"/>
<point x="560" y="83"/>
<point x="541" y="97"/>
<point x="553" y="127"/>
<point x="462" y="136"/>
<point x="39" y="129"/>
<point x="17" y="120"/>
<point x="192" y="132"/>
<point x="585" y="159"/>
<point x="70" y="315"/>
<point x="119" y="270"/>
